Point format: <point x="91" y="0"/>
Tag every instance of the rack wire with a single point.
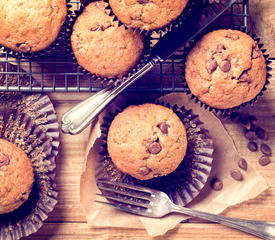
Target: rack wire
<point x="55" y="72"/>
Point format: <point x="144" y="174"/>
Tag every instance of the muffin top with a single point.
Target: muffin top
<point x="101" y="46"/>
<point x="147" y="14"/>
<point x="225" y="69"/>
<point x="16" y="177"/>
<point x="147" y="141"/>
<point x="31" y="25"/>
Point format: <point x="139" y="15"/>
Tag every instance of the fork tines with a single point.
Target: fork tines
<point x="124" y="194"/>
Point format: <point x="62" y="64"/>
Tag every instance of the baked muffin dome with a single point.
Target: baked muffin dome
<point x="147" y="141"/>
<point x="31" y="25"/>
<point x="101" y="46"/>
<point x="147" y="15"/>
<point x="225" y="69"/>
<point x="16" y="177"/>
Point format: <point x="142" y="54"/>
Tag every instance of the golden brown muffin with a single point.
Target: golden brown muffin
<point x="147" y="14"/>
<point x="147" y="141"/>
<point x="31" y="25"/>
<point x="103" y="48"/>
<point x="16" y="177"/>
<point x="225" y="69"/>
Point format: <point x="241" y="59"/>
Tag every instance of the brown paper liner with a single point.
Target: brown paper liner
<point x="229" y="110"/>
<point x="104" y="81"/>
<point x="31" y="118"/>
<point x="59" y="41"/>
<point x="186" y="182"/>
<point x="191" y="4"/>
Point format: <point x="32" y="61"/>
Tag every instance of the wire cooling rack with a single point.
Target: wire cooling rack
<point x="54" y="72"/>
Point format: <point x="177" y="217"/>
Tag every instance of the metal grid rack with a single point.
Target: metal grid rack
<point x="54" y="72"/>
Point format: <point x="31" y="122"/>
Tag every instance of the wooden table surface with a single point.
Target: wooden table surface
<point x="67" y="221"/>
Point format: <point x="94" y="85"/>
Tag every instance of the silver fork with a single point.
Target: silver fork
<point x="153" y="203"/>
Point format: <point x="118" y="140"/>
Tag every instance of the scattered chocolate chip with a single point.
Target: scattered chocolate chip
<point x="255" y="53"/>
<point x="5" y="160"/>
<point x="225" y="65"/>
<point x="265" y="149"/>
<point x="220" y="48"/>
<point x="163" y="127"/>
<point x="216" y="184"/>
<point x="250" y="135"/>
<point x="242" y="164"/>
<point x="94" y="28"/>
<point x="106" y="25"/>
<point x="22" y="199"/>
<point x="144" y="170"/>
<point x="236" y="174"/>
<point x="252" y="146"/>
<point x="154" y="148"/>
<point x="235" y="117"/>
<point x="261" y="134"/>
<point x="211" y="66"/>
<point x="252" y="119"/>
<point x="232" y="36"/>
<point x="23" y="47"/>
<point x="264" y="160"/>
<point x="246" y="123"/>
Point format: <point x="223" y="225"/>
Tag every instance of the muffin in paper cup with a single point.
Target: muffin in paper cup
<point x="29" y="121"/>
<point x="23" y="50"/>
<point x="183" y="184"/>
<point x="243" y="75"/>
<point x="164" y="21"/>
<point x="114" y="53"/>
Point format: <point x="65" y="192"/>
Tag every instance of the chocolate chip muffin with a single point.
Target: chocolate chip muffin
<point x="147" y="141"/>
<point x="16" y="177"/>
<point x="225" y="69"/>
<point x="101" y="46"/>
<point x="31" y="25"/>
<point x="147" y="14"/>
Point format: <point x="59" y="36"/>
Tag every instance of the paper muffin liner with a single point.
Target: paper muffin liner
<point x="37" y="134"/>
<point x="191" y="4"/>
<point x="183" y="184"/>
<point x="229" y="110"/>
<point x="59" y="41"/>
<point x="93" y="77"/>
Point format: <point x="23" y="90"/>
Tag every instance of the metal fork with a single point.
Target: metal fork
<point x="153" y="203"/>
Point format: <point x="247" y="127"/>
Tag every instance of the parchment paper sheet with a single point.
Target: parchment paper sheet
<point x="225" y="159"/>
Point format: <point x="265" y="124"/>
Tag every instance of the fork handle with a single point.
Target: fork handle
<point x="265" y="230"/>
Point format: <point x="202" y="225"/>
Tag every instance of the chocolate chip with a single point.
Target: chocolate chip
<point x="244" y="77"/>
<point x="216" y="184"/>
<point x="236" y="174"/>
<point x="154" y="148"/>
<point x="163" y="127"/>
<point x="252" y="119"/>
<point x="242" y="164"/>
<point x="232" y="36"/>
<point x="255" y="53"/>
<point x="225" y="65"/>
<point x="23" y="47"/>
<point x="246" y="123"/>
<point x="5" y="160"/>
<point x="235" y="117"/>
<point x="252" y="146"/>
<point x="94" y="28"/>
<point x="211" y="66"/>
<point x="144" y="170"/>
<point x="250" y="135"/>
<point x="220" y="48"/>
<point x="261" y="134"/>
<point x="106" y="25"/>
<point x="143" y="1"/>
<point x="265" y="149"/>
<point x="264" y="160"/>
